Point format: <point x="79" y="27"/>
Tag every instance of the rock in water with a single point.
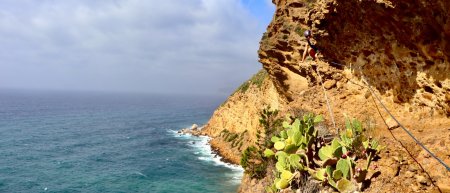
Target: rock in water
<point x="194" y="127"/>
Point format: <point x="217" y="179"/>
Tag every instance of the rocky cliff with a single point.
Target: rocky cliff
<point x="237" y="119"/>
<point x="401" y="49"/>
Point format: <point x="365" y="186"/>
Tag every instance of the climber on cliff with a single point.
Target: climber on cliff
<point x="309" y="48"/>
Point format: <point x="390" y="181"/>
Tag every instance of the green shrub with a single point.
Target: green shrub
<point x="256" y="79"/>
<point x="299" y="31"/>
<point x="223" y="132"/>
<point x="240" y="145"/>
<point x="270" y="122"/>
<point x="253" y="162"/>
<point x="232" y="137"/>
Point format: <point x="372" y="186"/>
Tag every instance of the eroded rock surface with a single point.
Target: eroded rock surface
<point x="400" y="48"/>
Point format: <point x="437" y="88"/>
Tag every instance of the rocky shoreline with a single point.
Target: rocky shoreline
<point x="216" y="148"/>
<point x="193" y="130"/>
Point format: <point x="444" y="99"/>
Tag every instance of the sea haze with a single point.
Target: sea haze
<point x="78" y="142"/>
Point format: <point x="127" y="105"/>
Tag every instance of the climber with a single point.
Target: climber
<point x="312" y="49"/>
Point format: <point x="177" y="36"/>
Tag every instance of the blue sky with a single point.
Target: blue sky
<point x="145" y="46"/>
<point x="261" y="9"/>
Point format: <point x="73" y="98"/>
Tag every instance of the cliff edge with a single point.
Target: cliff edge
<point x="401" y="49"/>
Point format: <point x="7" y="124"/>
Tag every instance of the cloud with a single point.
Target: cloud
<point x="170" y="46"/>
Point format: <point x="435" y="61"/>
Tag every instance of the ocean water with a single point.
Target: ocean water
<point x="79" y="142"/>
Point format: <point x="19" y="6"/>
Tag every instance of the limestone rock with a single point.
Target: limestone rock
<point x="392" y="124"/>
<point x="194" y="127"/>
<point x="193" y="130"/>
<point x="409" y="174"/>
<point x="421" y="179"/>
<point x="412" y="168"/>
<point x="415" y="188"/>
<point x="337" y="76"/>
<point x="407" y="67"/>
<point x="329" y="84"/>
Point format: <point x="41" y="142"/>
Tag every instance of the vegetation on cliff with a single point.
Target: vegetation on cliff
<point x="300" y="153"/>
<point x="253" y="160"/>
<point x="396" y="48"/>
<point x="256" y="80"/>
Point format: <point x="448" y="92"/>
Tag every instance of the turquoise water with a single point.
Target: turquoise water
<point x="72" y="142"/>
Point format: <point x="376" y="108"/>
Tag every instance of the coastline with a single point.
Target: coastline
<point x="219" y="153"/>
<point x="226" y="153"/>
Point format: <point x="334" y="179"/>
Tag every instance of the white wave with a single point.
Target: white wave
<point x="202" y="149"/>
<point x="172" y="131"/>
<point x="207" y="154"/>
<point x="141" y="174"/>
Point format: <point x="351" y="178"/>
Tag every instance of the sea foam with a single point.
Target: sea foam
<point x="202" y="149"/>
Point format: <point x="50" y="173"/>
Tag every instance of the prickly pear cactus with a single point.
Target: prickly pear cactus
<point x="344" y="166"/>
<point x="345" y="185"/>
<point x="299" y="149"/>
<point x="293" y="148"/>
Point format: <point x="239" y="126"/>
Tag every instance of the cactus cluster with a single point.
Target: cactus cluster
<point x="295" y="149"/>
<point x="299" y="150"/>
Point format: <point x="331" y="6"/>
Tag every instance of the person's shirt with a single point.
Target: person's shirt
<point x="312" y="44"/>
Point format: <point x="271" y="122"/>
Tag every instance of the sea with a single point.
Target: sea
<point x="108" y="142"/>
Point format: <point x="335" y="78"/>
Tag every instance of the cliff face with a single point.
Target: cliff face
<point x="400" y="48"/>
<point x="239" y="116"/>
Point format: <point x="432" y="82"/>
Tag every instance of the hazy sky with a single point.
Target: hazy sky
<point x="151" y="46"/>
